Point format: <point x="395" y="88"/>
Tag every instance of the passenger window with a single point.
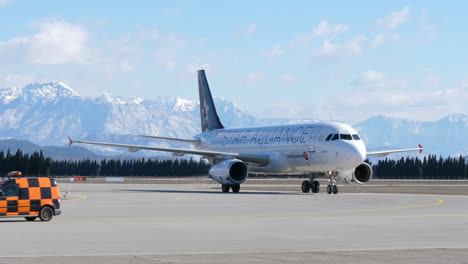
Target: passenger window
<point x="356" y="137"/>
<point x="9" y="190"/>
<point x="335" y="137"/>
<point x="329" y="137"/>
<point x="345" y="136"/>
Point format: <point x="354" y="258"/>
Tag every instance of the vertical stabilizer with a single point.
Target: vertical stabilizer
<point x="209" y="117"/>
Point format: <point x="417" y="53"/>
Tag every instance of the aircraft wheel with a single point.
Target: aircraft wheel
<point x="329" y="189"/>
<point x="335" y="189"/>
<point x="305" y="186"/>
<point x="236" y="188"/>
<point x="225" y="188"/>
<point x="315" y="187"/>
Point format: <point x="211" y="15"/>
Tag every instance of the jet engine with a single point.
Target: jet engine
<point x="362" y="174"/>
<point x="229" y="172"/>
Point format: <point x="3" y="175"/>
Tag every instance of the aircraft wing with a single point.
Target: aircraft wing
<point x="386" y="152"/>
<point x="173" y="139"/>
<point x="261" y="160"/>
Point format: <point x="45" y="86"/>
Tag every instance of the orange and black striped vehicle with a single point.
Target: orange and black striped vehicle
<point x="30" y="198"/>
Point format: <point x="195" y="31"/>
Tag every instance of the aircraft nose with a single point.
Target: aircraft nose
<point x="357" y="154"/>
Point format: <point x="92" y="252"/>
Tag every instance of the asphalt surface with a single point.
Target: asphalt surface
<point x="196" y="223"/>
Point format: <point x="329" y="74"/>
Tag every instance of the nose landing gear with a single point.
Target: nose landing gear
<point x="332" y="188"/>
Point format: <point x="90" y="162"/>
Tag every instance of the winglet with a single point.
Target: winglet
<point x="421" y="148"/>
<point x="70" y="142"/>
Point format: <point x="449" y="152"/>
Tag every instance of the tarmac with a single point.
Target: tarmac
<point x="196" y="223"/>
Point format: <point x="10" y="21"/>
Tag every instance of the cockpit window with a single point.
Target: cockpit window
<point x="329" y="137"/>
<point x="356" y="137"/>
<point x="335" y="137"/>
<point x="346" y="137"/>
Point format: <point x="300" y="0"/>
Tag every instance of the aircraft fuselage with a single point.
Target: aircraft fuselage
<point x="294" y="148"/>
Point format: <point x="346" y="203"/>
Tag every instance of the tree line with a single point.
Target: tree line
<point x="430" y="167"/>
<point x="135" y="167"/>
<point x="36" y="164"/>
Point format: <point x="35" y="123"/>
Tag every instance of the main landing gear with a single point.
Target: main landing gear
<point x="235" y="188"/>
<point x="310" y="185"/>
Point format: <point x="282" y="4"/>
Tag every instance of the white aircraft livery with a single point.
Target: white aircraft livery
<point x="329" y="149"/>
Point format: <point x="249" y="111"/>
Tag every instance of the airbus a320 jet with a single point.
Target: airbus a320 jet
<point x="329" y="149"/>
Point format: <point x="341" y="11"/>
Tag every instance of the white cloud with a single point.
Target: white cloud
<point x="428" y="31"/>
<point x="188" y="71"/>
<point x="250" y="29"/>
<point x="168" y="51"/>
<point x="16" y="80"/>
<point x="56" y="42"/>
<point x="4" y="3"/>
<point x="346" y="49"/>
<point x="252" y="78"/>
<point x="464" y="84"/>
<point x="427" y="69"/>
<point x="288" y="78"/>
<point x="360" y="104"/>
<point x="422" y="105"/>
<point x="275" y="51"/>
<point x="370" y="77"/>
<point x="382" y="38"/>
<point x="286" y="109"/>
<point x="324" y="29"/>
<point x="378" y="40"/>
<point x="394" y="19"/>
<point x="431" y="81"/>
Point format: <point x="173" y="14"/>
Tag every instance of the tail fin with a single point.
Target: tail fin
<point x="209" y="117"/>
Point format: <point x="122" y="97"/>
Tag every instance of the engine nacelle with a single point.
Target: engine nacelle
<point x="231" y="172"/>
<point x="362" y="174"/>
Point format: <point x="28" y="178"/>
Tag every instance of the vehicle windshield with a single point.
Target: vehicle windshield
<point x="9" y="190"/>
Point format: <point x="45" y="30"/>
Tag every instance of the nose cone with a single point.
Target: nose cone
<point x="355" y="154"/>
<point x="361" y="152"/>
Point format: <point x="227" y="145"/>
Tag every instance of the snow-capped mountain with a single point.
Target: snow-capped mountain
<point x="46" y="113"/>
<point x="447" y="136"/>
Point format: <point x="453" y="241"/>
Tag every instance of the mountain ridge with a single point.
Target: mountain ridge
<point x="46" y="113"/>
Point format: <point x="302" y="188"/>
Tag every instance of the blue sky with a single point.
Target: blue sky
<point x="348" y="60"/>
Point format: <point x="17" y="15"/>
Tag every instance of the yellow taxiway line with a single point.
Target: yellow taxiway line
<point x="311" y="215"/>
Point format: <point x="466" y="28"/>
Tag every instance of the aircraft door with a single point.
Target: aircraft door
<point x="314" y="133"/>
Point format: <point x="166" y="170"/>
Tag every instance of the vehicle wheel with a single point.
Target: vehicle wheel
<point x="236" y="188"/>
<point x="305" y="186"/>
<point x="46" y="213"/>
<point x="329" y="189"/>
<point x="335" y="189"/>
<point x="225" y="188"/>
<point x="31" y="218"/>
<point x="315" y="186"/>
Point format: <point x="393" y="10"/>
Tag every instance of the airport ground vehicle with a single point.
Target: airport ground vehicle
<point x="30" y="198"/>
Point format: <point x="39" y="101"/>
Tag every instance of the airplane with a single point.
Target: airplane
<point x="330" y="149"/>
